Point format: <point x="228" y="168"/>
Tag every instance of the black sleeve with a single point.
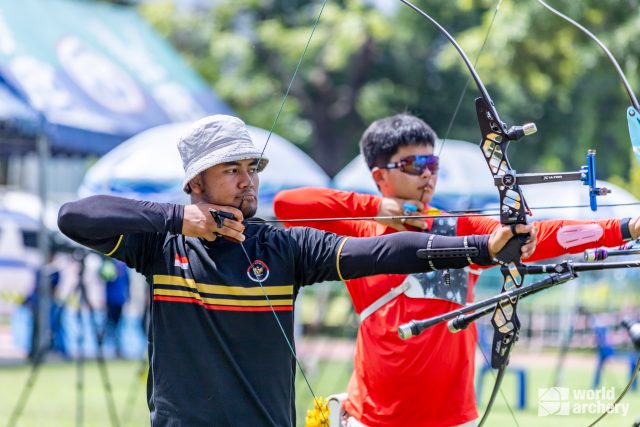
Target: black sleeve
<point x="315" y="255"/>
<point x="108" y="224"/>
<point x="396" y="254"/>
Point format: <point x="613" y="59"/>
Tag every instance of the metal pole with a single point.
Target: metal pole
<point x="42" y="332"/>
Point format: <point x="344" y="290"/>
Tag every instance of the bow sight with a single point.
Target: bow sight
<point x="494" y="147"/>
<point x="586" y="174"/>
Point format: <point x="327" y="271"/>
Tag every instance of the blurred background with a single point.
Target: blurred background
<point x="93" y="95"/>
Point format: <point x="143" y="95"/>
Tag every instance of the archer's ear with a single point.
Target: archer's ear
<point x="196" y="185"/>
<point x="379" y="175"/>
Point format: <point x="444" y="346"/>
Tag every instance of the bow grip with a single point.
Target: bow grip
<point x="511" y="251"/>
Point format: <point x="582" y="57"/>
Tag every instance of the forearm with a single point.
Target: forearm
<point x="98" y="220"/>
<point x="560" y="237"/>
<point x="324" y="203"/>
<point x="396" y="254"/>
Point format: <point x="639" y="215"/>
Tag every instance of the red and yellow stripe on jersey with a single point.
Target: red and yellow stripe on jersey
<point x="222" y="297"/>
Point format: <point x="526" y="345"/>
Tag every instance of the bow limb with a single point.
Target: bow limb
<point x="621" y="396"/>
<point x="633" y="111"/>
<point x="633" y="121"/>
<point x="476" y="78"/>
<point x="494" y="392"/>
<point x="513" y="210"/>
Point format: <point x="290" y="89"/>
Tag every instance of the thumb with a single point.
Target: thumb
<point x="521" y="228"/>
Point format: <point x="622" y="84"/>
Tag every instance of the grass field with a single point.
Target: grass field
<point x="53" y="399"/>
<point x="577" y="375"/>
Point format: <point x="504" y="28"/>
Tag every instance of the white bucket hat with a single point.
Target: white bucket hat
<point x="213" y="140"/>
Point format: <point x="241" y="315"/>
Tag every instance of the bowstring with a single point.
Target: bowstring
<point x="446" y="136"/>
<point x="605" y="49"/>
<point x="254" y="176"/>
<point x="636" y="105"/>
<point x="284" y="334"/>
<point x="466" y="86"/>
<point x="291" y="81"/>
<point x="495" y="378"/>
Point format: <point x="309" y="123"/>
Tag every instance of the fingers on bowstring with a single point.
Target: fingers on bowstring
<point x="237" y="213"/>
<point x="417" y="223"/>
<point x="232" y="229"/>
<point x="233" y="225"/>
<point x="412" y="207"/>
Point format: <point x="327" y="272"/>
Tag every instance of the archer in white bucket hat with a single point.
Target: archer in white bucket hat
<point x="213" y="140"/>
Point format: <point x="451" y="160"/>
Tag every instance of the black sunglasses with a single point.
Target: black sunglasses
<point x="415" y="165"/>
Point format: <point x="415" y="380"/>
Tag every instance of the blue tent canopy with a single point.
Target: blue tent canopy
<point x="17" y="119"/>
<point x="19" y="124"/>
<point x="96" y="73"/>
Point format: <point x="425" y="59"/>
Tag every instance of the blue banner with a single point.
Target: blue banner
<point x="96" y="72"/>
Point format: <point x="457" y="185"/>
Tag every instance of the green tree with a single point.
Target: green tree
<point x="248" y="50"/>
<point x="360" y="65"/>
<point x="363" y="64"/>
<point x="543" y="69"/>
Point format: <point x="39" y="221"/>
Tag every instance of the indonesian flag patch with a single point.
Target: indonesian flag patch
<point x="182" y="262"/>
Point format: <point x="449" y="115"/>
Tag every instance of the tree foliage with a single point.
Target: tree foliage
<point x="364" y="63"/>
<point x="540" y="68"/>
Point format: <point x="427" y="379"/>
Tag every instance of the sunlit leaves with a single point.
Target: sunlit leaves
<point x="365" y="63"/>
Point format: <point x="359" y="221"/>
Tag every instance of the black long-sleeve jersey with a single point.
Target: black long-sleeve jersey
<point x="217" y="356"/>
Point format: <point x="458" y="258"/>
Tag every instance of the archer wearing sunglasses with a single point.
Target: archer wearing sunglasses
<point x="411" y="383"/>
<point x="415" y="165"/>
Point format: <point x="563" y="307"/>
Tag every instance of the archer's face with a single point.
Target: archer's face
<point x="395" y="183"/>
<point x="229" y="184"/>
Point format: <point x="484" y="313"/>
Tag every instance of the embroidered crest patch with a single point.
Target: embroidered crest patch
<point x="258" y="271"/>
